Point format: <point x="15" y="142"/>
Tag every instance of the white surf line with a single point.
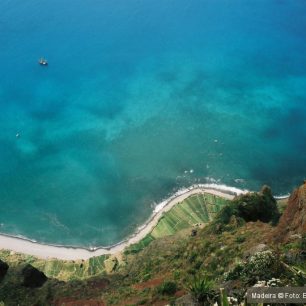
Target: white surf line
<point x="282" y="197"/>
<point x="46" y="251"/>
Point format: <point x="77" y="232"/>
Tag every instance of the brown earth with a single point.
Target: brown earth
<point x="293" y="220"/>
<point x="149" y="284"/>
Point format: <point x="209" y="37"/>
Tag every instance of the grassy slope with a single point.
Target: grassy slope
<point x="179" y="258"/>
<point x="195" y="210"/>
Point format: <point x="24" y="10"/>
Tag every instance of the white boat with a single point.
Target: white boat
<point x="43" y="62"/>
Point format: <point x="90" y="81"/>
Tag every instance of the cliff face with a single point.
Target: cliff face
<point x="293" y="220"/>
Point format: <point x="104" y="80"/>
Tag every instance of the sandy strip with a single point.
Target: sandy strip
<point x="46" y="251"/>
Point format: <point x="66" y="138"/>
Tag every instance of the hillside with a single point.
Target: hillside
<point x="293" y="221"/>
<point x="181" y="252"/>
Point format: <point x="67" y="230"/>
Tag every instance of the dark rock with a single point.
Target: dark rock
<point x="194" y="232"/>
<point x="290" y="257"/>
<point x="32" y="277"/>
<point x="257" y="248"/>
<point x="186" y="300"/>
<point x="303" y="256"/>
<point x="293" y="257"/>
<point x="3" y="269"/>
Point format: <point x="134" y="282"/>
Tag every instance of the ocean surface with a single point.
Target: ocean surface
<point x="140" y="99"/>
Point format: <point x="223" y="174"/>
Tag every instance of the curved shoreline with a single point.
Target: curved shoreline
<point x="48" y="251"/>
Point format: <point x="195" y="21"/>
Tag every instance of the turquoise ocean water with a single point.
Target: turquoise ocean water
<point x="142" y="98"/>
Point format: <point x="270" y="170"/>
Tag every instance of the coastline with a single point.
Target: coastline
<point x="48" y="251"/>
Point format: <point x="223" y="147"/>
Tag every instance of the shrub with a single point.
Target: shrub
<point x="240" y="239"/>
<point x="198" y="265"/>
<point x="142" y="302"/>
<point x="146" y="277"/>
<point x="258" y="206"/>
<point x="176" y="274"/>
<point x="192" y="271"/>
<point x="202" y="290"/>
<point x="260" y="266"/>
<point x="245" y="208"/>
<point x="235" y="273"/>
<point x="167" y="288"/>
<point x="192" y="257"/>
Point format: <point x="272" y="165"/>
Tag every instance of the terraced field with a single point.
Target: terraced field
<point x="60" y="269"/>
<point x="67" y="269"/>
<point x="195" y="210"/>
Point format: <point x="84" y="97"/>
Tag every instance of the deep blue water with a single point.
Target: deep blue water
<point x="137" y="94"/>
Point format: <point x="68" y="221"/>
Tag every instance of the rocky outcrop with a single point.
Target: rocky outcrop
<point x="186" y="300"/>
<point x="255" y="249"/>
<point x="250" y="207"/>
<point x="32" y="277"/>
<point x="258" y="206"/>
<point x="3" y="269"/>
<point x="293" y="221"/>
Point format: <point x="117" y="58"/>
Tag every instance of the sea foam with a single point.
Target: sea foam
<point x="218" y="187"/>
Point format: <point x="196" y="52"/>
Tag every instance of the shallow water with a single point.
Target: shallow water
<point x="141" y="98"/>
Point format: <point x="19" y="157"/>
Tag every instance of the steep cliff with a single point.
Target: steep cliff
<point x="293" y="221"/>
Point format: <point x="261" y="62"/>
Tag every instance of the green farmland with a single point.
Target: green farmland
<point x="195" y="210"/>
<point x="66" y="269"/>
<point x="60" y="269"/>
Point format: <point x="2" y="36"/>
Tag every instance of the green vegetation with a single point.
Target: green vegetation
<point x="201" y="289"/>
<point x="137" y="247"/>
<point x="195" y="210"/>
<point x="232" y="252"/>
<point x="261" y="266"/>
<point x="60" y="269"/>
<point x="258" y="206"/>
<point x="167" y="288"/>
<point x="223" y="298"/>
